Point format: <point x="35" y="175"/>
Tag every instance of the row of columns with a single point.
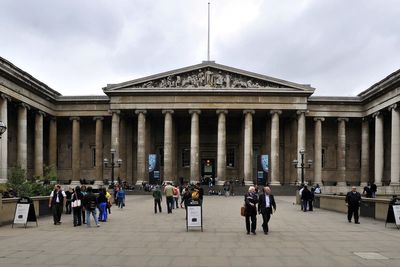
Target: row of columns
<point x="194" y="144"/>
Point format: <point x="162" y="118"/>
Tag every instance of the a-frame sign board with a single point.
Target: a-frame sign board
<point x="24" y="212"/>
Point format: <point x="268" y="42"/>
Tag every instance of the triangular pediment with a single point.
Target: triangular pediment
<point x="207" y="75"/>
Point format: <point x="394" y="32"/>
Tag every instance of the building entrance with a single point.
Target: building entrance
<point x="207" y="170"/>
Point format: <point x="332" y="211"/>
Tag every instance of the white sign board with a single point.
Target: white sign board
<point x="21" y="213"/>
<point x="396" y="211"/>
<point x="194" y="216"/>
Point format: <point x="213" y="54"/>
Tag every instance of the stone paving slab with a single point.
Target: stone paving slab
<point x="135" y="236"/>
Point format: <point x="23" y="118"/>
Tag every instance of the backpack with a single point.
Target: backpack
<point x="175" y="191"/>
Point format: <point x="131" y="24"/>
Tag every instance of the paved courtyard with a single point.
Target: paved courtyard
<point x="135" y="236"/>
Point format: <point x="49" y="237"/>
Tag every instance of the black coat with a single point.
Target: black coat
<point x="251" y="200"/>
<point x="261" y="204"/>
<point x="353" y="199"/>
<point x="306" y="194"/>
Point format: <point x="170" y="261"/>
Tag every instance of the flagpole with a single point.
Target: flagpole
<point x="208" y="40"/>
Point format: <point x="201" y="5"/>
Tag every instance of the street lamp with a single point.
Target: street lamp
<point x="302" y="165"/>
<point x="112" y="165"/>
<point x="3" y="128"/>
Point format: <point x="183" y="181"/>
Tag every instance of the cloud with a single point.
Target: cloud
<point x="77" y="47"/>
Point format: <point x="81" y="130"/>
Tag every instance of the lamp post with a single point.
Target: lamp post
<point x="302" y="164"/>
<point x="3" y="128"/>
<point x="112" y="164"/>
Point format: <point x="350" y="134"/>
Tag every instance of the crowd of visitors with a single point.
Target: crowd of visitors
<point x="185" y="192"/>
<point x="83" y="203"/>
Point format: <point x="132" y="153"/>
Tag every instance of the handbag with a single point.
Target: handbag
<point x="242" y="211"/>
<point x="76" y="203"/>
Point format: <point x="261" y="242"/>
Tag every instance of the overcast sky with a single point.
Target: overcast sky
<point x="76" y="47"/>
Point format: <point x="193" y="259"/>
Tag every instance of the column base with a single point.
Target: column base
<point x="193" y="182"/>
<point x="275" y="183"/>
<point x="341" y="184"/>
<point x="139" y="182"/>
<point x="248" y="183"/>
<point x="363" y="184"/>
<point x="391" y="183"/>
<point x="3" y="181"/>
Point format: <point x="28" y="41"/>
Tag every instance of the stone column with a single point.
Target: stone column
<point x="194" y="146"/>
<point x="318" y="150"/>
<point x="22" y="136"/>
<point x="221" y="149"/>
<point x="168" y="176"/>
<point x="99" y="148"/>
<point x="4" y="139"/>
<point x="141" y="147"/>
<point x="38" y="160"/>
<point x="301" y="138"/>
<point x="364" y="152"/>
<point x="275" y="147"/>
<point x="53" y="142"/>
<point x="395" y="151"/>
<point x="115" y="121"/>
<point x="379" y="156"/>
<point x="76" y="153"/>
<point x="341" y="151"/>
<point x="122" y="148"/>
<point x="248" y="146"/>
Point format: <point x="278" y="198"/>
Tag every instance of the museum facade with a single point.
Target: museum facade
<point x="205" y="120"/>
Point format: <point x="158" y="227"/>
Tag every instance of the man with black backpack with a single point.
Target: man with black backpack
<point x="90" y="204"/>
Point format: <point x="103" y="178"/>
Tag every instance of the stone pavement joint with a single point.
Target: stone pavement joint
<point x="135" y="236"/>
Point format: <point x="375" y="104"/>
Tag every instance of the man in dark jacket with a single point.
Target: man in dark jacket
<point x="90" y="204"/>
<point x="353" y="199"/>
<point x="305" y="197"/>
<point x="266" y="203"/>
<point x="56" y="202"/>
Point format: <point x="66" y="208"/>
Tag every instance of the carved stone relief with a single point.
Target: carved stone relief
<point x="207" y="78"/>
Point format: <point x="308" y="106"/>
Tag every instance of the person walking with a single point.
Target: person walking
<point x="169" y="195"/>
<point x="83" y="192"/>
<point x="90" y="204"/>
<point x="56" y="202"/>
<point x="121" y="198"/>
<point x="68" y="194"/>
<point x="353" y="200"/>
<point x="251" y="200"/>
<point x="102" y="205"/>
<point x="76" y="202"/>
<point x="157" y="196"/>
<point x="266" y="206"/>
<point x="176" y="197"/>
<point x="305" y="197"/>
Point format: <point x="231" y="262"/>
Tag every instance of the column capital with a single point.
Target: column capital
<point x="394" y="106"/>
<point x="251" y="111"/>
<point x="224" y="111"/>
<point x="98" y="118"/>
<point x="5" y="97"/>
<point x="74" y="118"/>
<point x="366" y="118"/>
<point x="377" y="114"/>
<point x="165" y="111"/>
<point x="42" y="113"/>
<point x="342" y="119"/>
<point x="24" y="105"/>
<point x="138" y="111"/>
<point x="299" y="112"/>
<point x="319" y="119"/>
<point x="272" y="112"/>
<point x="192" y="111"/>
<point x="117" y="111"/>
<point x="52" y="118"/>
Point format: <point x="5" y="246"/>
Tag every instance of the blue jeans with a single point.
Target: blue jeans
<point x="93" y="212"/>
<point x="103" y="211"/>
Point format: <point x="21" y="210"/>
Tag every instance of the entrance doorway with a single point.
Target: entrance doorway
<point x="207" y="170"/>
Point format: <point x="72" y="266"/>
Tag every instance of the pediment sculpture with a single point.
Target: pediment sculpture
<point x="207" y="78"/>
